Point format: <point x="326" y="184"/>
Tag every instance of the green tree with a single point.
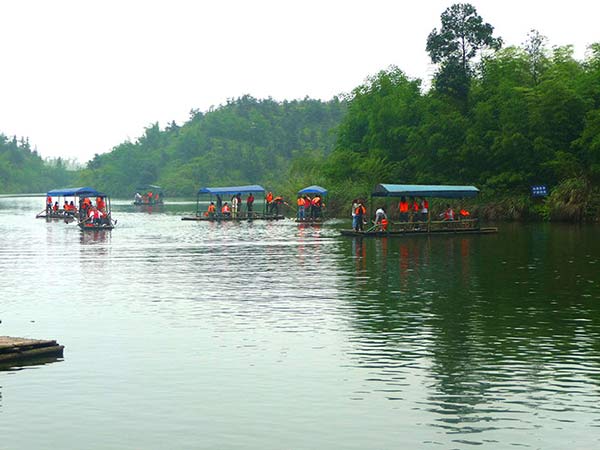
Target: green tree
<point x="462" y="35"/>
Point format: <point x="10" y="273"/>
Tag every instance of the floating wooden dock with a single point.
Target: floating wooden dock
<point x="20" y="349"/>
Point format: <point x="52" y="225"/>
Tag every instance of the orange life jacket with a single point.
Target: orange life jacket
<point x="300" y="201"/>
<point x="403" y="206"/>
<point x="360" y="210"/>
<point x="225" y="209"/>
<point x="211" y="208"/>
<point x="269" y="197"/>
<point x="464" y="213"/>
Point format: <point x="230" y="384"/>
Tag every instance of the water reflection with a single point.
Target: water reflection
<point x="492" y="330"/>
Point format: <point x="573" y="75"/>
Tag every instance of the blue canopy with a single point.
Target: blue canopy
<point x="231" y="190"/>
<point x="313" y="190"/>
<point x="76" y="192"/>
<point x="417" y="190"/>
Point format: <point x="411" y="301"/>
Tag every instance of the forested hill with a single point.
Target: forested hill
<point x="24" y="171"/>
<point x="244" y="141"/>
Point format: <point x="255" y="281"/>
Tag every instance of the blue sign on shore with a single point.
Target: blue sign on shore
<point x="539" y="190"/>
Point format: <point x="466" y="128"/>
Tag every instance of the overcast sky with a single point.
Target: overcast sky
<point x="79" y="77"/>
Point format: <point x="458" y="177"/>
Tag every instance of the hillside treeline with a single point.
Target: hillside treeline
<point x="526" y="119"/>
<point x="22" y="170"/>
<point x="246" y="141"/>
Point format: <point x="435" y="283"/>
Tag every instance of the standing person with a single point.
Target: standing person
<point x="381" y="220"/>
<point x="315" y="207"/>
<point x="276" y="204"/>
<point x="250" y="204"/>
<point x="219" y="204"/>
<point x="354" y="206"/>
<point x="359" y="212"/>
<point x="301" y="207"/>
<point x="403" y="209"/>
<point x="234" y="206"/>
<point x="269" y="202"/>
<point x="424" y="210"/>
<point x="415" y="208"/>
<point x="48" y="203"/>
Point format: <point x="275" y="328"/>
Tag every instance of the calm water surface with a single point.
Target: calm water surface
<point x="263" y="336"/>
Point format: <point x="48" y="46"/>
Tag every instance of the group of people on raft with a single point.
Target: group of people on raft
<point x="149" y="198"/>
<point x="415" y="210"/>
<point x="309" y="208"/>
<point x="88" y="212"/>
<point x="235" y="207"/>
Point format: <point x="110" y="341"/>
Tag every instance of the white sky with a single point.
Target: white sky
<point x="79" y="77"/>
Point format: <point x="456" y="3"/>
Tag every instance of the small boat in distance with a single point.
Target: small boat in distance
<point x="148" y="195"/>
<point x="417" y="221"/>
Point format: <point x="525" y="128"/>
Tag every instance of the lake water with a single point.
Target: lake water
<point x="184" y="335"/>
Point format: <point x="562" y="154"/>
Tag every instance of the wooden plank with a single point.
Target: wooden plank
<point x="18" y="349"/>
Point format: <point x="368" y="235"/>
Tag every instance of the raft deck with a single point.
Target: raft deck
<point x="20" y="349"/>
<point x="232" y="219"/>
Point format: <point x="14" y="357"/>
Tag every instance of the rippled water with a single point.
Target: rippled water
<point x="260" y="335"/>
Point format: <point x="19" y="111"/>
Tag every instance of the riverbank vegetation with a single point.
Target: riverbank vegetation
<point x="22" y="170"/>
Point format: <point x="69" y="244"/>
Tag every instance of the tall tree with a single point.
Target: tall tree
<point x="462" y="35"/>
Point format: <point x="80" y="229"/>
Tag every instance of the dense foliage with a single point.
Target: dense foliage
<point x="24" y="171"/>
<point x="532" y="116"/>
<point x="245" y="141"/>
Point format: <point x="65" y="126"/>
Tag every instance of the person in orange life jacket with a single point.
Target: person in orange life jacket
<point x="55" y="207"/>
<point x="100" y="204"/>
<point x="381" y="219"/>
<point x="226" y="210"/>
<point x="403" y="209"/>
<point x="463" y="214"/>
<point x="359" y="214"/>
<point x="448" y="214"/>
<point x="276" y="204"/>
<point x="48" y="204"/>
<point x="301" y="207"/>
<point x="211" y="210"/>
<point x="269" y="202"/>
<point x="315" y="207"/>
<point x="83" y="207"/>
<point x="66" y="207"/>
<point x="414" y="209"/>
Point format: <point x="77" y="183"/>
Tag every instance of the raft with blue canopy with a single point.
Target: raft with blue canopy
<point x="79" y="194"/>
<point x="310" y="216"/>
<point x="417" y="224"/>
<point x="219" y="196"/>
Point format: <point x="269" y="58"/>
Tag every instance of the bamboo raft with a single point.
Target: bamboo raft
<point x="422" y="232"/>
<point x="20" y="349"/>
